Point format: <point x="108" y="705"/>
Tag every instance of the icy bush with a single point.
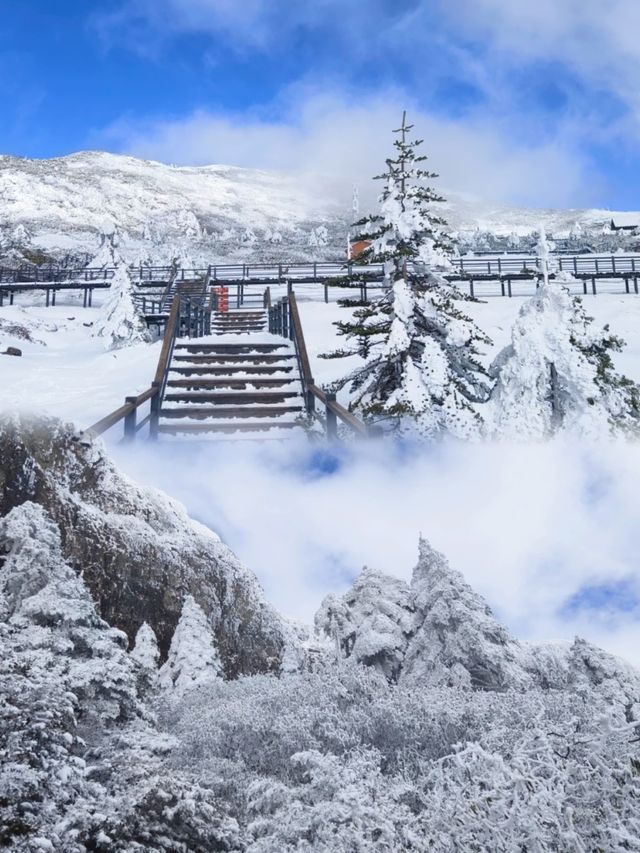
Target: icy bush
<point x="81" y="762"/>
<point x="193" y="659"/>
<point x="119" y="321"/>
<point x="339" y="760"/>
<point x="557" y="375"/>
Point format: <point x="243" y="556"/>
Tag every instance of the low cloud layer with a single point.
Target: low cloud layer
<point x="549" y="534"/>
<point x="349" y="137"/>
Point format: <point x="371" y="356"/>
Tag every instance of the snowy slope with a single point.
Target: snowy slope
<point x="161" y="212"/>
<point x="213" y="213"/>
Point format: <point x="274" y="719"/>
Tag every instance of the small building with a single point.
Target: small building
<point x="357" y="248"/>
<point x="615" y="227"/>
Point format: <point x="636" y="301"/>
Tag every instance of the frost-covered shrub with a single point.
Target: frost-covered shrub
<point x="557" y="375"/>
<point x="340" y="760"/>
<point x="436" y="630"/>
<point x="119" y="321"/>
<point x="81" y="762"/>
<point x="193" y="659"/>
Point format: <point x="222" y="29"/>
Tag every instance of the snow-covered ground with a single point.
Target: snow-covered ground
<point x="68" y="373"/>
<point x="64" y="370"/>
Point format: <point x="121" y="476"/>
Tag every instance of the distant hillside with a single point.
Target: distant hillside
<point x="62" y="207"/>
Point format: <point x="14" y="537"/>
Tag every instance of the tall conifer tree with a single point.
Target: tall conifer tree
<point x="420" y="373"/>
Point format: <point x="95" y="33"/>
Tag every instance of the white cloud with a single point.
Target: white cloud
<point x="349" y="137"/>
<point x="597" y="40"/>
<point x="264" y="25"/>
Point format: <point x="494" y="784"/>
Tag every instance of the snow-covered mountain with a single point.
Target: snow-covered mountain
<point x="62" y="207"/>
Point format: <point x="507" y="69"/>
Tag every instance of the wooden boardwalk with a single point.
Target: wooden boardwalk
<point x="246" y="282"/>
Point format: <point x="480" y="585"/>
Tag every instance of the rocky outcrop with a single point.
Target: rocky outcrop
<point x="137" y="551"/>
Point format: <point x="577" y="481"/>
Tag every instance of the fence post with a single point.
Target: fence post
<point x="311" y="403"/>
<point x="285" y="317"/>
<point x="332" y="420"/>
<point x="130" y="421"/>
<point x="155" y="412"/>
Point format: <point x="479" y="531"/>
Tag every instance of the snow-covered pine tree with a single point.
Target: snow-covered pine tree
<point x="193" y="659"/>
<point x="421" y="374"/>
<point x="558" y="374"/>
<point x="146" y="654"/>
<point x="119" y="322"/>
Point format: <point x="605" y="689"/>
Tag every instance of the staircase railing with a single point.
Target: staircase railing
<point x="284" y="320"/>
<point x="187" y="318"/>
<point x="192" y="319"/>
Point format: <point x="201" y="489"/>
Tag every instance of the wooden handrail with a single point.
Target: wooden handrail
<point x="169" y="334"/>
<point x="339" y="410"/>
<point x="308" y="384"/>
<point x="119" y="414"/>
<point x="301" y="345"/>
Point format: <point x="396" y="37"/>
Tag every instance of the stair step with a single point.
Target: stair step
<point x="234" y="359"/>
<point x="223" y="412"/>
<point x="228" y="370"/>
<point x="232" y="397"/>
<point x="244" y="321"/>
<point x="222" y="319"/>
<point x="237" y="329"/>
<point x="236" y="384"/>
<point x="239" y="315"/>
<point x="215" y="349"/>
<point x="174" y="429"/>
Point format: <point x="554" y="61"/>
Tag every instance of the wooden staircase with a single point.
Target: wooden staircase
<point x="237" y="382"/>
<point x="194" y="289"/>
<point x="222" y="376"/>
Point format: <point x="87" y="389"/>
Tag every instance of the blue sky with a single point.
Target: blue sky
<point x="530" y="103"/>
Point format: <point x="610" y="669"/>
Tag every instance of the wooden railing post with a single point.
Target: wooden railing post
<point x="155" y="412"/>
<point x="330" y="415"/>
<point x="130" y="420"/>
<point x="311" y="402"/>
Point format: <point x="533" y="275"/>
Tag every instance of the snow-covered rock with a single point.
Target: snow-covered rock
<point x="138" y="551"/>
